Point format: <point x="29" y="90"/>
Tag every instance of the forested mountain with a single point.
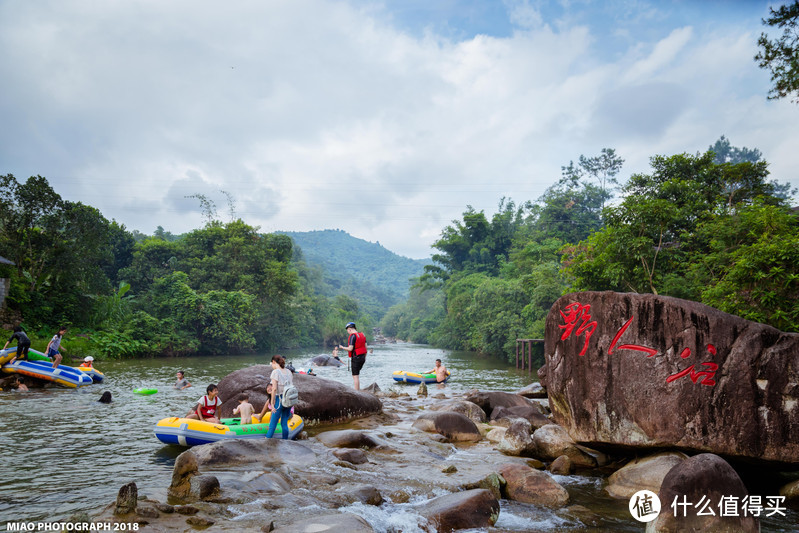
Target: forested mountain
<point x="357" y="267"/>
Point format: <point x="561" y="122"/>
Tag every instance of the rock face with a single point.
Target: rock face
<point x="639" y="370"/>
<point x="321" y="400"/>
<point x="705" y="476"/>
<point x="470" y="509"/>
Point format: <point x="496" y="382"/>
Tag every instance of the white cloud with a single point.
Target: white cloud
<point x="316" y="114"/>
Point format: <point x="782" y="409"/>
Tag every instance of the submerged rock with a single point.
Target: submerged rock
<point x="333" y="522"/>
<point x="326" y="360"/>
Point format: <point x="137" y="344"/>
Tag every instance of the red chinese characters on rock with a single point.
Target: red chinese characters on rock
<point x="577" y="318"/>
<point x="578" y="313"/>
<point x="707" y="376"/>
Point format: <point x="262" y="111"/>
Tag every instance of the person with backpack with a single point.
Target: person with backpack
<point x="281" y="380"/>
<point x="356" y="346"/>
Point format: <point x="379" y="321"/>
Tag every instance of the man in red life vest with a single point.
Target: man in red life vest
<point x="356" y="346"/>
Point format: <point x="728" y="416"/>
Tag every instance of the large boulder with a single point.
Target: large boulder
<point x="528" y="485"/>
<point x="464" y="407"/>
<point x="552" y="441"/>
<point x="490" y="400"/>
<point x="517" y="439"/>
<point x="531" y="413"/>
<point x="321" y="400"/>
<point x="705" y="478"/>
<point x="646" y="473"/>
<point x="470" y="509"/>
<point x="453" y="426"/>
<point x="639" y="370"/>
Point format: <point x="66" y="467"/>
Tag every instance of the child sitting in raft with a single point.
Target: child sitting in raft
<point x="268" y="404"/>
<point x="207" y="406"/>
<point x="245" y="408"/>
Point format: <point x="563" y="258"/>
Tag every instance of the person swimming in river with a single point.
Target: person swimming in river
<point x="23" y="344"/>
<point x="207" y="406"/>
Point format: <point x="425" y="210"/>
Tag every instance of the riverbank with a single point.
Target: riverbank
<point x="391" y="469"/>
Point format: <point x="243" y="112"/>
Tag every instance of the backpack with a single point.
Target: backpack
<point x="290" y="396"/>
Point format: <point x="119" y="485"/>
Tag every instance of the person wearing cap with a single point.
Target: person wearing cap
<point x="87" y="362"/>
<point x="356" y="346"/>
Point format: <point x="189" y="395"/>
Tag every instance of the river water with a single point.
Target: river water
<point x="64" y="452"/>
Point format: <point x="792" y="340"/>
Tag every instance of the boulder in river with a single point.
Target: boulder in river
<point x="332" y="522"/>
<point x="490" y="400"/>
<point x="321" y="399"/>
<point x="529" y="485"/>
<point x="326" y="360"/>
<point x="470" y="509"/>
<point x="470" y="409"/>
<point x="640" y="370"/>
<point x="453" y="426"/>
<point x="702" y="481"/>
<point x="645" y="473"/>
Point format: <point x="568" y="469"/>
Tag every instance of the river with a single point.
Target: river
<point x="64" y="452"/>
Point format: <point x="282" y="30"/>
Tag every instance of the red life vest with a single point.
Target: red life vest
<point x="206" y="409"/>
<point x="359" y="346"/>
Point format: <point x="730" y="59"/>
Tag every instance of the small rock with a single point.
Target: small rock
<point x="449" y="469"/>
<point x="355" y="456"/>
<point x="202" y="487"/>
<point x="400" y="496"/>
<point x="165" y="507"/>
<point x="187" y="510"/>
<point x="199" y="521"/>
<point x="127" y="499"/>
<point x="147" y="512"/>
<point x="562" y="466"/>
<point x="535" y="463"/>
<point x="422" y="390"/>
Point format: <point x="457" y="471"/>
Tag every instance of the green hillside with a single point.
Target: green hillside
<point x="362" y="269"/>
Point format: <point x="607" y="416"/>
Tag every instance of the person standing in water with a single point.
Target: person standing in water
<point x="279" y="379"/>
<point x="23" y="344"/>
<point x="356" y="346"/>
<point x="181" y="382"/>
<point x="440" y="371"/>
<point x="54" y="345"/>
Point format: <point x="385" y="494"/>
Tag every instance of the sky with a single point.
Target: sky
<point x="383" y="119"/>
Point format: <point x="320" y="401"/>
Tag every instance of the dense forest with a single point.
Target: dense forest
<point x="223" y="288"/>
<point x="709" y="227"/>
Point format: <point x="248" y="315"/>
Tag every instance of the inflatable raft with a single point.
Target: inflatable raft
<point x="96" y="375"/>
<point x="412" y="377"/>
<point x="189" y="432"/>
<point x="63" y="375"/>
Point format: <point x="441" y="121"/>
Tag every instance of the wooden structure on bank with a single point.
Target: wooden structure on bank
<point x="526" y="348"/>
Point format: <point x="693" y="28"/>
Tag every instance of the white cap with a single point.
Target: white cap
<point x="88" y="358"/>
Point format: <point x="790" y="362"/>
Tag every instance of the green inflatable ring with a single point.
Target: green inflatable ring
<point x="145" y="392"/>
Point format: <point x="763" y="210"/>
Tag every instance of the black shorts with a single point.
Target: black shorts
<point x="22" y="349"/>
<point x="357" y="363"/>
